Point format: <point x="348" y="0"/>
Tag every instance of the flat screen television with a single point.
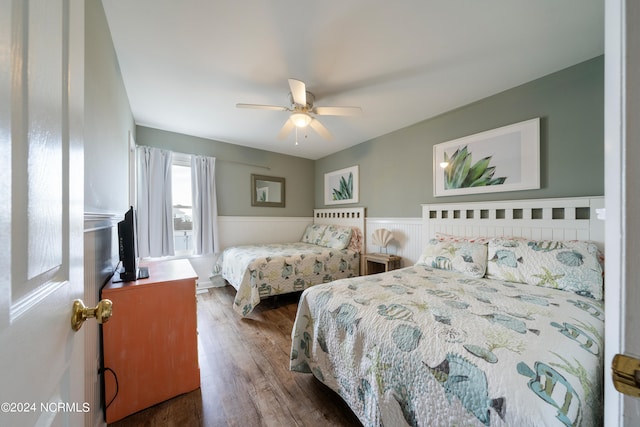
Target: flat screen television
<point x="128" y="250"/>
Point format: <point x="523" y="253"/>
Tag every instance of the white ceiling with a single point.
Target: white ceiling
<point x="186" y="63"/>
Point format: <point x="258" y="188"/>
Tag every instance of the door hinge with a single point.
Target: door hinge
<point x="626" y="374"/>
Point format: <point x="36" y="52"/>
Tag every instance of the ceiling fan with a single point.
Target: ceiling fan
<point x="303" y="111"/>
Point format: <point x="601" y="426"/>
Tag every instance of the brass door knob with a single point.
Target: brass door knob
<point x="80" y="313"/>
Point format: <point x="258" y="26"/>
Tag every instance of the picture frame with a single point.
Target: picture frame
<point x="267" y="191"/>
<point x="501" y="159"/>
<point x="341" y="186"/>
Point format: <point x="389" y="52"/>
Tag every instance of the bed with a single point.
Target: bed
<point x="328" y="250"/>
<point x="499" y="323"/>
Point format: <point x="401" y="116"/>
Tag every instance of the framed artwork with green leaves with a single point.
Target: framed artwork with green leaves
<point x="341" y="186"/>
<point x="502" y="159"/>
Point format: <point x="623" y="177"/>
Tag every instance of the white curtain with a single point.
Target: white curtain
<point x="205" y="207"/>
<point x="154" y="210"/>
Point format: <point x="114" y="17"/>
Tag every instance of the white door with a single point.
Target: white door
<point x="622" y="188"/>
<point x="41" y="215"/>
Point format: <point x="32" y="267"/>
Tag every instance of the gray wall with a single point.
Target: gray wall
<point x="108" y="119"/>
<point x="396" y="169"/>
<point x="234" y="166"/>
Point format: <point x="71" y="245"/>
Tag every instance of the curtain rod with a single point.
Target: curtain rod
<point x="221" y="160"/>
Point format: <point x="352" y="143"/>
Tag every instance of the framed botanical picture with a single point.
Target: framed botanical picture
<point x="341" y="186"/>
<point x="502" y="159"/>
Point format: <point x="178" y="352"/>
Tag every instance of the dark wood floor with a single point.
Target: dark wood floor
<point x="244" y="372"/>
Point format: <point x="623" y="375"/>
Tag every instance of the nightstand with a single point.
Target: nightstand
<point x="379" y="263"/>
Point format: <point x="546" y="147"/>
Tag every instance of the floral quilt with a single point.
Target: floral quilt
<point x="260" y="271"/>
<point x="425" y="347"/>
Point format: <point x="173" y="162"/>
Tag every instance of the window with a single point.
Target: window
<point x="182" y="209"/>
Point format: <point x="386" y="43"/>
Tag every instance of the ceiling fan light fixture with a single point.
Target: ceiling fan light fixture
<point x="301" y="120"/>
<point x="302" y="111"/>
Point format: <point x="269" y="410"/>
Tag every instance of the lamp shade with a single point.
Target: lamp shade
<point x="301" y="119"/>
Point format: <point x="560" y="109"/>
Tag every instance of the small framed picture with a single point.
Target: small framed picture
<point x="341" y="186"/>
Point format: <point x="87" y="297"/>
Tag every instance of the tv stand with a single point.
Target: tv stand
<point x="124" y="276"/>
<point x="150" y="344"/>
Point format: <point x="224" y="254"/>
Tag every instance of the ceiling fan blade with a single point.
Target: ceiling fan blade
<point x="338" y="111"/>
<point x="319" y="127"/>
<point x="262" y="107"/>
<point x="298" y="92"/>
<point x="286" y="129"/>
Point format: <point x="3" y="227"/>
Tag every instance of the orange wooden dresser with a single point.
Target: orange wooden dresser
<point x="150" y="342"/>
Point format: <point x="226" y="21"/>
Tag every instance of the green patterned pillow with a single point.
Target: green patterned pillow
<point x="313" y="234"/>
<point x="336" y="237"/>
<point x="467" y="258"/>
<point x="569" y="265"/>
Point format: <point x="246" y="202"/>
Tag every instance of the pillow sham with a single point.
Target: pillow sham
<point x="355" y="243"/>
<point x="313" y="233"/>
<point x="573" y="266"/>
<point x="468" y="258"/>
<point x="443" y="237"/>
<point x="336" y="237"/>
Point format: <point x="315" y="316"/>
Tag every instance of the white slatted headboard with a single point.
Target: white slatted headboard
<point x="350" y="217"/>
<point x="540" y="219"/>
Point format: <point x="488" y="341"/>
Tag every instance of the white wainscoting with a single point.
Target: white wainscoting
<point x="246" y="230"/>
<point x="100" y="252"/>
<point x="407" y="237"/>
